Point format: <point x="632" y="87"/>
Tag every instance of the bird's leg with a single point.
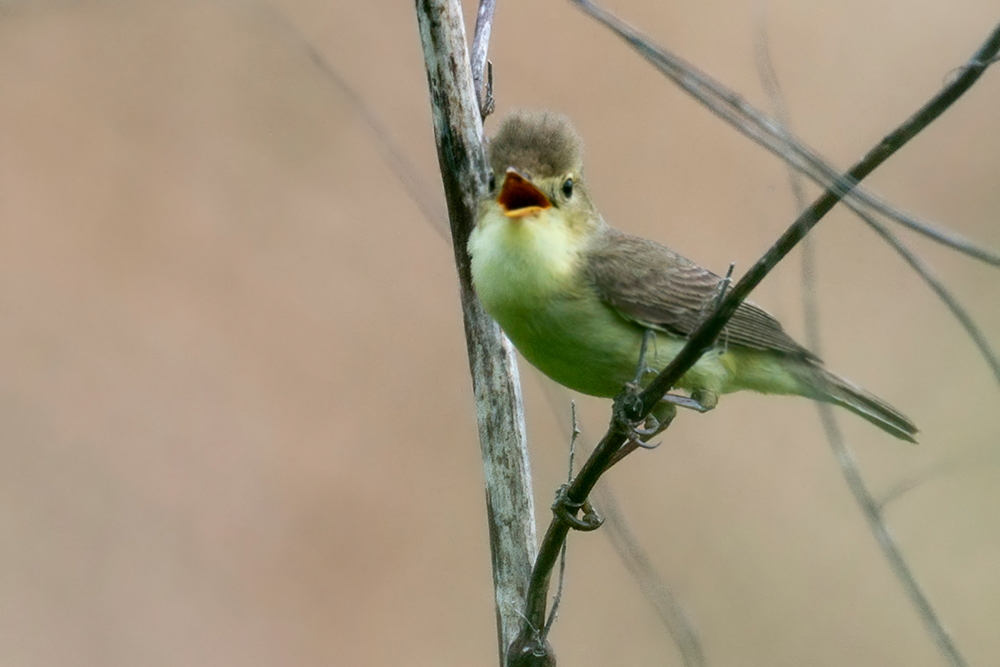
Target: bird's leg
<point x="642" y="368"/>
<point x="700" y="400"/>
<point x="656" y="422"/>
<point x="653" y="425"/>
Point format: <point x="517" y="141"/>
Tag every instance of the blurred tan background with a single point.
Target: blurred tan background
<point x="234" y="399"/>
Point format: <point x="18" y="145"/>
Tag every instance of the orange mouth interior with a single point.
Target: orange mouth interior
<point x="519" y="197"/>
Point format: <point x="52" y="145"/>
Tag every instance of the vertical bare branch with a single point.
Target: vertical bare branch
<point x="458" y="130"/>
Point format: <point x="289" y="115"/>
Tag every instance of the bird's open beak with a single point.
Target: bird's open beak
<point x="519" y="198"/>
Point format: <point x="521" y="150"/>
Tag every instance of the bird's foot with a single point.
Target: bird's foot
<point x="639" y="437"/>
<point x="565" y="510"/>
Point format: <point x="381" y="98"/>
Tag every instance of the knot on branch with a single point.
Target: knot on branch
<point x="529" y="649"/>
<point x="628" y="410"/>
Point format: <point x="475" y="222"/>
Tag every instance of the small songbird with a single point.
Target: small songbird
<point x="577" y="297"/>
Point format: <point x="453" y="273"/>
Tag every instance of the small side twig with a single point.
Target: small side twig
<point x="482" y="68"/>
<point x="724" y="285"/>
<point x="638" y="564"/>
<point x="557" y="598"/>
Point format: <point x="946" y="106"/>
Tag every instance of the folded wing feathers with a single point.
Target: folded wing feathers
<point x="668" y="292"/>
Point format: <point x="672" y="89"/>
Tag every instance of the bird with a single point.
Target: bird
<point x="580" y="299"/>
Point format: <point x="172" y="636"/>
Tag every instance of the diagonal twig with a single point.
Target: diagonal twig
<point x="630" y="408"/>
<point x="870" y="508"/>
<point x="633" y="556"/>
<point x="771" y="135"/>
<point x="770" y="83"/>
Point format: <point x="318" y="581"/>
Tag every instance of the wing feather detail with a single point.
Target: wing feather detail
<point x="663" y="290"/>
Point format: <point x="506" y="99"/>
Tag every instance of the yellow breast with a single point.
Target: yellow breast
<point x="519" y="263"/>
<point x="530" y="275"/>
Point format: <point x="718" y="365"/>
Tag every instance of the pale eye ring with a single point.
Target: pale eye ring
<point x="567" y="188"/>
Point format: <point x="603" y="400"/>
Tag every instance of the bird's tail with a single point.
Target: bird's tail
<point x="846" y="394"/>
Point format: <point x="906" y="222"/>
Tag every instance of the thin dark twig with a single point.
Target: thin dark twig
<point x="810" y="303"/>
<point x="651" y="584"/>
<point x="480" y="64"/>
<point x="941" y="469"/>
<point x="871" y="509"/>
<point x="762" y="129"/>
<point x="630" y="408"/>
<point x="927" y="274"/>
<point x="557" y="598"/>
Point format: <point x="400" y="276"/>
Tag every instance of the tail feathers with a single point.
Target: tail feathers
<point x="846" y="394"/>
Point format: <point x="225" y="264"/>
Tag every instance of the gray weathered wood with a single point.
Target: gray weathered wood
<point x="458" y="130"/>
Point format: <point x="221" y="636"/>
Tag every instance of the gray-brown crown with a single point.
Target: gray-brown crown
<point x="541" y="143"/>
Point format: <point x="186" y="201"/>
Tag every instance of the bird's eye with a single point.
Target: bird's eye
<point x="492" y="182"/>
<point x="567" y="188"/>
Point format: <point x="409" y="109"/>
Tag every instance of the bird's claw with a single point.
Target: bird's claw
<point x="565" y="510"/>
<point x="641" y="443"/>
<point x="652" y="427"/>
<point x="645" y="432"/>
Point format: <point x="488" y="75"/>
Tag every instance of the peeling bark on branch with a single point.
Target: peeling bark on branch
<point x="458" y="130"/>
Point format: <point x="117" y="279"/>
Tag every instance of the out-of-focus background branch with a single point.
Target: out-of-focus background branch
<point x="236" y="417"/>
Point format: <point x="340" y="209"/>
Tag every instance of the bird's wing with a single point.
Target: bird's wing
<point x="665" y="291"/>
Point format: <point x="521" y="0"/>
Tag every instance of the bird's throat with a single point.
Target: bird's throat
<point x="521" y="262"/>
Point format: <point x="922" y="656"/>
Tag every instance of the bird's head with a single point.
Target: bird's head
<point x="536" y="174"/>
